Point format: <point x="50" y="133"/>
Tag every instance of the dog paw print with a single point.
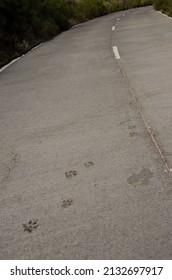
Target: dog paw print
<point x="31" y="225"/>
<point x="67" y="203"/>
<point x="89" y="163"/>
<point x="71" y="173"/>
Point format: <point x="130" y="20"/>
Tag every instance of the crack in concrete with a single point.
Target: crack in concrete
<point x="148" y="128"/>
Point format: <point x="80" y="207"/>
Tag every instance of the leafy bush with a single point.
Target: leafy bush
<point x="164" y="5"/>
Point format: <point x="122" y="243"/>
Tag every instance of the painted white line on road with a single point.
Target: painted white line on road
<point x="35" y="47"/>
<point x="116" y="52"/>
<point x="168" y="170"/>
<point x="164" y="14"/>
<point x="13" y="61"/>
<point x="6" y="66"/>
<point x="77" y="25"/>
<point x="113" y="28"/>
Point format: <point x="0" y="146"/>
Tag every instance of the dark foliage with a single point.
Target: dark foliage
<point x="164" y="5"/>
<point x="25" y="23"/>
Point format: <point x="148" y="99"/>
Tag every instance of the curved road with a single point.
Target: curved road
<point x="79" y="167"/>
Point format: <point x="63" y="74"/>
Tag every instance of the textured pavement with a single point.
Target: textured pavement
<point x="78" y="167"/>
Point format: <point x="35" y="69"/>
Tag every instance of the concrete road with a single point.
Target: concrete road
<point x="144" y="39"/>
<point x="78" y="167"/>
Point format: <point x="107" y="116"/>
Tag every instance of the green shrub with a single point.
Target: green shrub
<point x="163" y="5"/>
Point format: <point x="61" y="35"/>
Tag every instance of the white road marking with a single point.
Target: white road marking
<point x="36" y="47"/>
<point x="13" y="61"/>
<point x="77" y="25"/>
<point x="164" y="14"/>
<point x="7" y="65"/>
<point x="168" y="170"/>
<point x="113" y="28"/>
<point x="116" y="53"/>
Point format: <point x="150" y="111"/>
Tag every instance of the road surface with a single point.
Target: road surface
<point x="82" y="174"/>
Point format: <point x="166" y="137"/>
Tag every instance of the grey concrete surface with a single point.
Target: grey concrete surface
<point x="144" y="39"/>
<point x="67" y="107"/>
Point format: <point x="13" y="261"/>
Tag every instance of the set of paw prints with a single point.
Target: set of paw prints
<point x="70" y="174"/>
<point x="33" y="224"/>
<point x="73" y="173"/>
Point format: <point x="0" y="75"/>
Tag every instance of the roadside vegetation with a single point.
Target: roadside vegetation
<point x="26" y="23"/>
<point x="164" y="5"/>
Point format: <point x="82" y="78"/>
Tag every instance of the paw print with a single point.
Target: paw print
<point x="31" y="225"/>
<point x="89" y="163"/>
<point x="71" y="173"/>
<point x="67" y="203"/>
